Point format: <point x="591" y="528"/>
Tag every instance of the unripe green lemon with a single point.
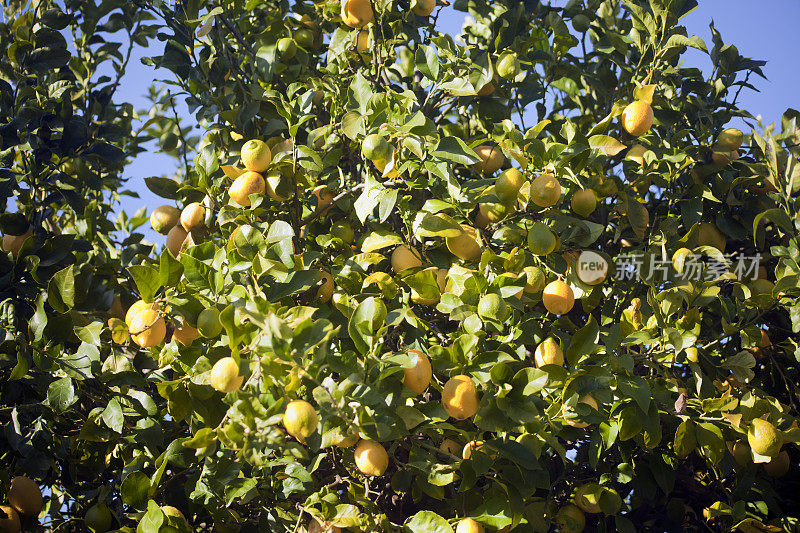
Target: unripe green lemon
<point x="508" y="184"/>
<point x="491" y="306"/>
<point x="375" y="147"/>
<point x="208" y="323"/>
<point x="508" y="66"/>
<point x="764" y="438"/>
<point x="98" y="518"/>
<point x="584" y="202"/>
<point x="287" y="47"/>
<point x="541" y="239"/>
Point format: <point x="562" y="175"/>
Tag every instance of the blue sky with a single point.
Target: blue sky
<point x="764" y="30"/>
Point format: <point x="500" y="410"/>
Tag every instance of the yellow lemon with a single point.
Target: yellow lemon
<point x="25" y="496"/>
<point x="358" y="13"/>
<point x="225" y="376"/>
<point x="325" y="291"/>
<point x="9" y="520"/>
<point x="418" y="377"/>
<point x="405" y="257"/>
<point x="588" y="400"/>
<point x="245" y="185"/>
<point x="371" y="458"/>
<point x="558" y="298"/>
<point x="256" y="156"/>
<point x="468" y="525"/>
<point x="466" y="245"/>
<point x="460" y="397"/>
<point x="764" y="438"/>
<point x="300" y="419"/>
<point x="584" y="202"/>
<point x="548" y="352"/>
<point x="148" y="328"/>
<point x="164" y="217"/>
<point x="137" y="306"/>
<point x="424" y="7"/>
<point x="175" y="239"/>
<point x="193" y="216"/>
<point x="545" y="190"/>
<point x="637" y="118"/>
<point x="492" y="158"/>
<point x="185" y="334"/>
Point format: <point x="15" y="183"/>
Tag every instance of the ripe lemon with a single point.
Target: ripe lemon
<point x="558" y="297"/>
<point x="208" y="323"/>
<point x="588" y="400"/>
<point x="278" y="186"/>
<point x="256" y="155"/>
<point x="175" y="519"/>
<point x="98" y="518"/>
<point x="175" y="239"/>
<point x="193" y="216"/>
<point x="570" y="519"/>
<point x="418" y="377"/>
<point x="460" y="397"/>
<point x="724" y="158"/>
<point x="490" y="214"/>
<point x="636" y="153"/>
<point x="492" y="158"/>
<point x="545" y="190"/>
<point x="424" y="7"/>
<point x="300" y="419"/>
<point x="225" y="376"/>
<point x="468" y="525"/>
<point x="375" y="147"/>
<point x="245" y="185"/>
<point x="441" y="280"/>
<point x="9" y="520"/>
<point x="325" y="291"/>
<point x="185" y="334"/>
<point x="709" y="235"/>
<point x="541" y="239"/>
<point x="778" y="466"/>
<point x="450" y="446"/>
<point x="548" y="353"/>
<point x="371" y="458"/>
<point x="13" y="243"/>
<point x="471" y="446"/>
<point x="466" y="245"/>
<point x="358" y="13"/>
<point x="587" y="497"/>
<point x="315" y="527"/>
<point x="405" y="257"/>
<point x="137" y="306"/>
<point x="584" y="202"/>
<point x="508" y="184"/>
<point x="764" y="438"/>
<point x="324" y="197"/>
<point x="148" y="328"/>
<point x="637" y="118"/>
<point x="535" y="277"/>
<point x="164" y="217"/>
<point x="363" y="42"/>
<point x="741" y="453"/>
<point x="492" y="307"/>
<point x="25" y="496"/>
<point x="508" y="67"/>
<point x="729" y="139"/>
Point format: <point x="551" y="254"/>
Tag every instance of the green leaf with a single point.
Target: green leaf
<point x="60" y="394"/>
<point x="170" y="270"/>
<point x="379" y="239"/>
<point x="456" y="150"/>
<point x="365" y="321"/>
<point x="135" y="488"/>
<point x="147" y="281"/>
<point x="427" y="522"/>
<point x="112" y="415"/>
<point x="163" y="187"/>
<point x="583" y="342"/>
<point x="636" y="388"/>
<point x="427" y="62"/>
<point x="685" y="439"/>
<point x="437" y="225"/>
<point x="152" y="520"/>
<point x="606" y="145"/>
<point x="61" y="290"/>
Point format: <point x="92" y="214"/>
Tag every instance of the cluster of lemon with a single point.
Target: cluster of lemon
<point x="24" y="498"/>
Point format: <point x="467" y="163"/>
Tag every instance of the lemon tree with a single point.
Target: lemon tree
<point x="363" y="311"/>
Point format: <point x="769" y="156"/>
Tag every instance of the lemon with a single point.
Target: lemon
<point x="358" y="13"/>
<point x="637" y="118"/>
<point x="418" y="377"/>
<point x="471" y="446"/>
<point x="741" y="453"/>
<point x="450" y="446"/>
<point x="764" y="438"/>
<point x="709" y="235"/>
<point x="256" y="155"/>
<point x="581" y="23"/>
<point x="371" y="458"/>
<point x="98" y="518"/>
<point x="343" y="230"/>
<point x="245" y="185"/>
<point x="376" y="147"/>
<point x="164" y="217"/>
<point x="278" y="187"/>
<point x="405" y="257"/>
<point x="325" y="291"/>
<point x="208" y="323"/>
<point x="13" y="243"/>
<point x="148" y="328"/>
<point x="778" y="466"/>
<point x="363" y="42"/>
<point x="588" y="400"/>
<point x="587" y="497"/>
<point x="729" y="139"/>
<point x="468" y="525"/>
<point x="193" y="216"/>
<point x="324" y="197"/>
<point x="492" y="307"/>
<point x="424" y="7"/>
<point x="548" y="352"/>
<point x="508" y="66"/>
<point x="535" y="279"/>
<point x="545" y="190"/>
<point x="9" y="520"/>
<point x="541" y="239"/>
<point x="185" y="334"/>
<point x="508" y="184"/>
<point x="466" y="245"/>
<point x="175" y="519"/>
<point x="570" y="519"/>
<point x="460" y="397"/>
<point x="225" y="376"/>
<point x="137" y="306"/>
<point x="441" y="280"/>
<point x="492" y="158"/>
<point x="287" y="49"/>
<point x="490" y="214"/>
<point x="175" y="239"/>
<point x="584" y="202"/>
<point x="25" y="496"/>
<point x="558" y="297"/>
<point x="300" y="419"/>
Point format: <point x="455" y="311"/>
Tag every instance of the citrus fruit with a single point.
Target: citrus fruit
<point x="13" y="243"/>
<point x="545" y="190"/>
<point x="764" y="343"/>
<point x="164" y="217"/>
<point x="541" y="239"/>
<point x="692" y="354"/>
<point x="278" y="186"/>
<point x="358" y="13"/>
<point x="636" y="153"/>
<point x="376" y="147"/>
<point x="637" y="118"/>
<point x="193" y="216"/>
<point x="581" y="23"/>
<point x="371" y="458"/>
<point x="175" y="239"/>
<point x="741" y="453"/>
<point x="558" y="297"/>
<point x="9" y="520"/>
<point x="709" y="235"/>
<point x="225" y="376"/>
<point x="492" y="159"/>
<point x="185" y="334"/>
<point x="363" y="42"/>
<point x="724" y="158"/>
<point x="466" y="245"/>
<point x="324" y="197"/>
<point x="764" y="438"/>
<point x="460" y="397"/>
<point x="548" y="352"/>
<point x="584" y="202"/>
<point x="25" y="496"/>
<point x="98" y="518"/>
<point x="778" y="466"/>
<point x="587" y="497"/>
<point x="535" y="277"/>
<point x="468" y="525"/>
<point x="490" y="214"/>
<point x="343" y="230"/>
<point x="405" y="257"/>
<point x="508" y="184"/>
<point x="175" y="518"/>
<point x="588" y="400"/>
<point x="325" y="291"/>
<point x="287" y="49"/>
<point x="570" y="519"/>
<point x="450" y="446"/>
<point x="245" y="185"/>
<point x="471" y="446"/>
<point x="492" y="307"/>
<point x="208" y="323"/>
<point x="137" y="306"/>
<point x="304" y="37"/>
<point x="148" y="328"/>
<point x="424" y="7"/>
<point x="300" y="419"/>
<point x="418" y="377"/>
<point x="441" y="280"/>
<point x="508" y="66"/>
<point x="380" y="164"/>
<point x="315" y="527"/>
<point x="729" y="139"/>
<point x="256" y="154"/>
